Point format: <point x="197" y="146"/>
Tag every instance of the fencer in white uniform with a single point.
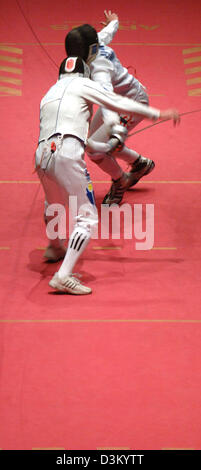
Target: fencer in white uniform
<point x="65" y="113"/>
<point x="107" y="70"/>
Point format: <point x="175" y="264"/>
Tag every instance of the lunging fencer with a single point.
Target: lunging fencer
<point x="108" y="130"/>
<point x="65" y="113"/>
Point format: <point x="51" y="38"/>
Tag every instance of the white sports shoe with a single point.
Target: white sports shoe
<point x="54" y="254"/>
<point x="69" y="284"/>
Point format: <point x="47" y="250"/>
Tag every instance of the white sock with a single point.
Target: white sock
<point x="78" y="241"/>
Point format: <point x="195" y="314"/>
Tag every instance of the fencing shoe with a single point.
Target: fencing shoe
<point x="69" y="284"/>
<point x="117" y="190"/>
<point x="141" y="167"/>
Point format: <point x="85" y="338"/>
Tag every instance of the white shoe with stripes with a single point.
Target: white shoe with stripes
<point x="69" y="284"/>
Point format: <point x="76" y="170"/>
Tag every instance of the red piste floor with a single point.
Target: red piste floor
<point x="120" y="368"/>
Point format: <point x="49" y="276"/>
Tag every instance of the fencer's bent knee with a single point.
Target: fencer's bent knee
<point x="95" y="148"/>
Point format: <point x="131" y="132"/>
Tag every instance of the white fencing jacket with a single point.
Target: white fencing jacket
<point x="67" y="106"/>
<point x="107" y="70"/>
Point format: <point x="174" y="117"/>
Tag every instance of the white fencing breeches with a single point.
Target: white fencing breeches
<point x="63" y="174"/>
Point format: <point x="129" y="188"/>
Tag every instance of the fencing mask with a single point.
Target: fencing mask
<point x="82" y="42"/>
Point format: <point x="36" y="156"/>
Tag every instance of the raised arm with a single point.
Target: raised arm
<point x="111" y="25"/>
<point x="109" y="16"/>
